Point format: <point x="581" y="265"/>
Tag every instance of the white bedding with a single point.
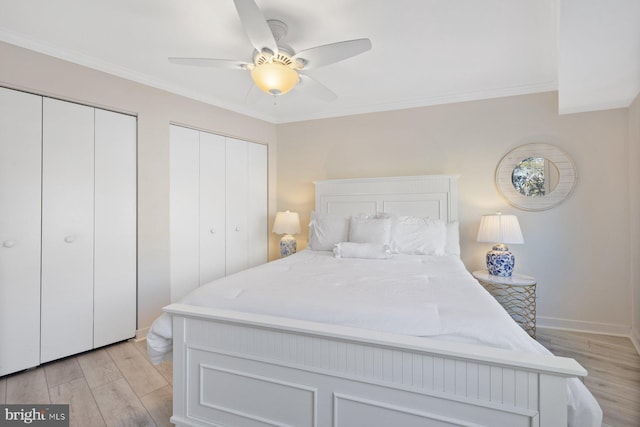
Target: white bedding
<point x="416" y="295"/>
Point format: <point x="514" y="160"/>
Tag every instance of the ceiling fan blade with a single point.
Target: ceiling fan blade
<point x="255" y="25"/>
<point x="314" y="88"/>
<point x="210" y="62"/>
<point x="329" y="53"/>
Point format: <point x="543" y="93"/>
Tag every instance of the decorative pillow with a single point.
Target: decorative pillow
<point x="370" y="229"/>
<point x="361" y="250"/>
<point x="326" y="230"/>
<point x="452" y="247"/>
<point x="415" y="235"/>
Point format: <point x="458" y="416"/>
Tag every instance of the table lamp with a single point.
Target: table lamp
<point x="287" y="223"/>
<point x="500" y="229"/>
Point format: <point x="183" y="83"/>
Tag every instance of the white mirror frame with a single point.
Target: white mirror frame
<point x="566" y="183"/>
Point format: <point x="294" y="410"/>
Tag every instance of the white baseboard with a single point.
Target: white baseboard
<point x="582" y="326"/>
<point x="141" y="334"/>
<point x="590" y="327"/>
<point x="635" y="339"/>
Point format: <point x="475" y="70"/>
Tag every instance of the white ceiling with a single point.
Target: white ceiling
<point x="425" y="52"/>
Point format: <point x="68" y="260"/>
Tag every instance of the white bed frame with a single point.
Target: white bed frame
<point x="239" y="369"/>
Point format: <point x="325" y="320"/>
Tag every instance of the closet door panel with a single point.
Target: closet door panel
<point x="212" y="207"/>
<point x="184" y="211"/>
<point x="257" y="215"/>
<point x="20" y="163"/>
<point x="67" y="229"/>
<point x="115" y="228"/>
<point x="236" y="206"/>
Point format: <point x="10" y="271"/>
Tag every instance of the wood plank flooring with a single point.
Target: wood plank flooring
<point x="614" y="370"/>
<point x="118" y="385"/>
<point x="113" y="386"/>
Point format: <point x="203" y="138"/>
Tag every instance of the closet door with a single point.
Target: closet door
<point x="212" y="207"/>
<point x="257" y="214"/>
<point x="20" y="163"/>
<point x="115" y="228"/>
<point x="236" y="206"/>
<point x="218" y="207"/>
<point x="246" y="205"/>
<point x="67" y="229"/>
<point x="184" y="210"/>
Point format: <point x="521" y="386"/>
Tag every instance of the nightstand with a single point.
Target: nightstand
<point x="517" y="294"/>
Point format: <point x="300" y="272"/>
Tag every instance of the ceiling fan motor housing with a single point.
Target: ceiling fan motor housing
<point x="281" y="57"/>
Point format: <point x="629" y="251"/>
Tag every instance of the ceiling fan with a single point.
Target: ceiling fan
<point x="276" y="68"/>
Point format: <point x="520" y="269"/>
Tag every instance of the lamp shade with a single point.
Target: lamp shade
<point x="286" y="223"/>
<point x="274" y="78"/>
<point x="498" y="228"/>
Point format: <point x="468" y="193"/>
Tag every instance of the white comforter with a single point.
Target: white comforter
<point x="414" y="295"/>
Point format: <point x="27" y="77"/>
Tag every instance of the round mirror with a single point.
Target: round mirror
<point x="535" y="176"/>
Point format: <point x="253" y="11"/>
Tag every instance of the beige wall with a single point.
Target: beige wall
<point x="634" y="200"/>
<point x="30" y="71"/>
<point x="578" y="251"/>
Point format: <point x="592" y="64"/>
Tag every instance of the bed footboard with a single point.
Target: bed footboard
<point x="239" y="369"/>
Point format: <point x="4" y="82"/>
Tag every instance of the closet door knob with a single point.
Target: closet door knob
<point x="237" y="228"/>
<point x="70" y="239"/>
<point x="213" y="231"/>
<point x="9" y="243"/>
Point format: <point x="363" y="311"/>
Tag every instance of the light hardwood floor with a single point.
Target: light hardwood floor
<point x="118" y="386"/>
<point x="113" y="386"/>
<point x="614" y="370"/>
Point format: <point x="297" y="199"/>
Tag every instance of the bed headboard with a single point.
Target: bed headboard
<point x="434" y="196"/>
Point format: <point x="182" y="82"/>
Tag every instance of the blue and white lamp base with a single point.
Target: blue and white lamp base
<point x="288" y="245"/>
<point x="500" y="261"/>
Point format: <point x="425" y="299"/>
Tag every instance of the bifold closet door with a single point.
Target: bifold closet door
<point x="20" y="163"/>
<point x="236" y="206"/>
<point x="257" y="219"/>
<point x="197" y="179"/>
<point x="114" y="313"/>
<point x="212" y="211"/>
<point x="246" y="205"/>
<point x="218" y="207"/>
<point x="184" y="211"/>
<point x="67" y="229"/>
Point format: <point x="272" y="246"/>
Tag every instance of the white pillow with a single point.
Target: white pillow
<point x="370" y="229"/>
<point x="325" y="230"/>
<point x="452" y="247"/>
<point x="362" y="250"/>
<point x="415" y="235"/>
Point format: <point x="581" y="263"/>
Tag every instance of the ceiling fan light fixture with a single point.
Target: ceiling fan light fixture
<point x="276" y="68"/>
<point x="274" y="78"/>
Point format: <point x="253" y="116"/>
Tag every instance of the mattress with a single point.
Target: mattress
<point x="419" y="295"/>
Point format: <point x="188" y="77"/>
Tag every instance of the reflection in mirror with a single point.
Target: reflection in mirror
<point x="535" y="177"/>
